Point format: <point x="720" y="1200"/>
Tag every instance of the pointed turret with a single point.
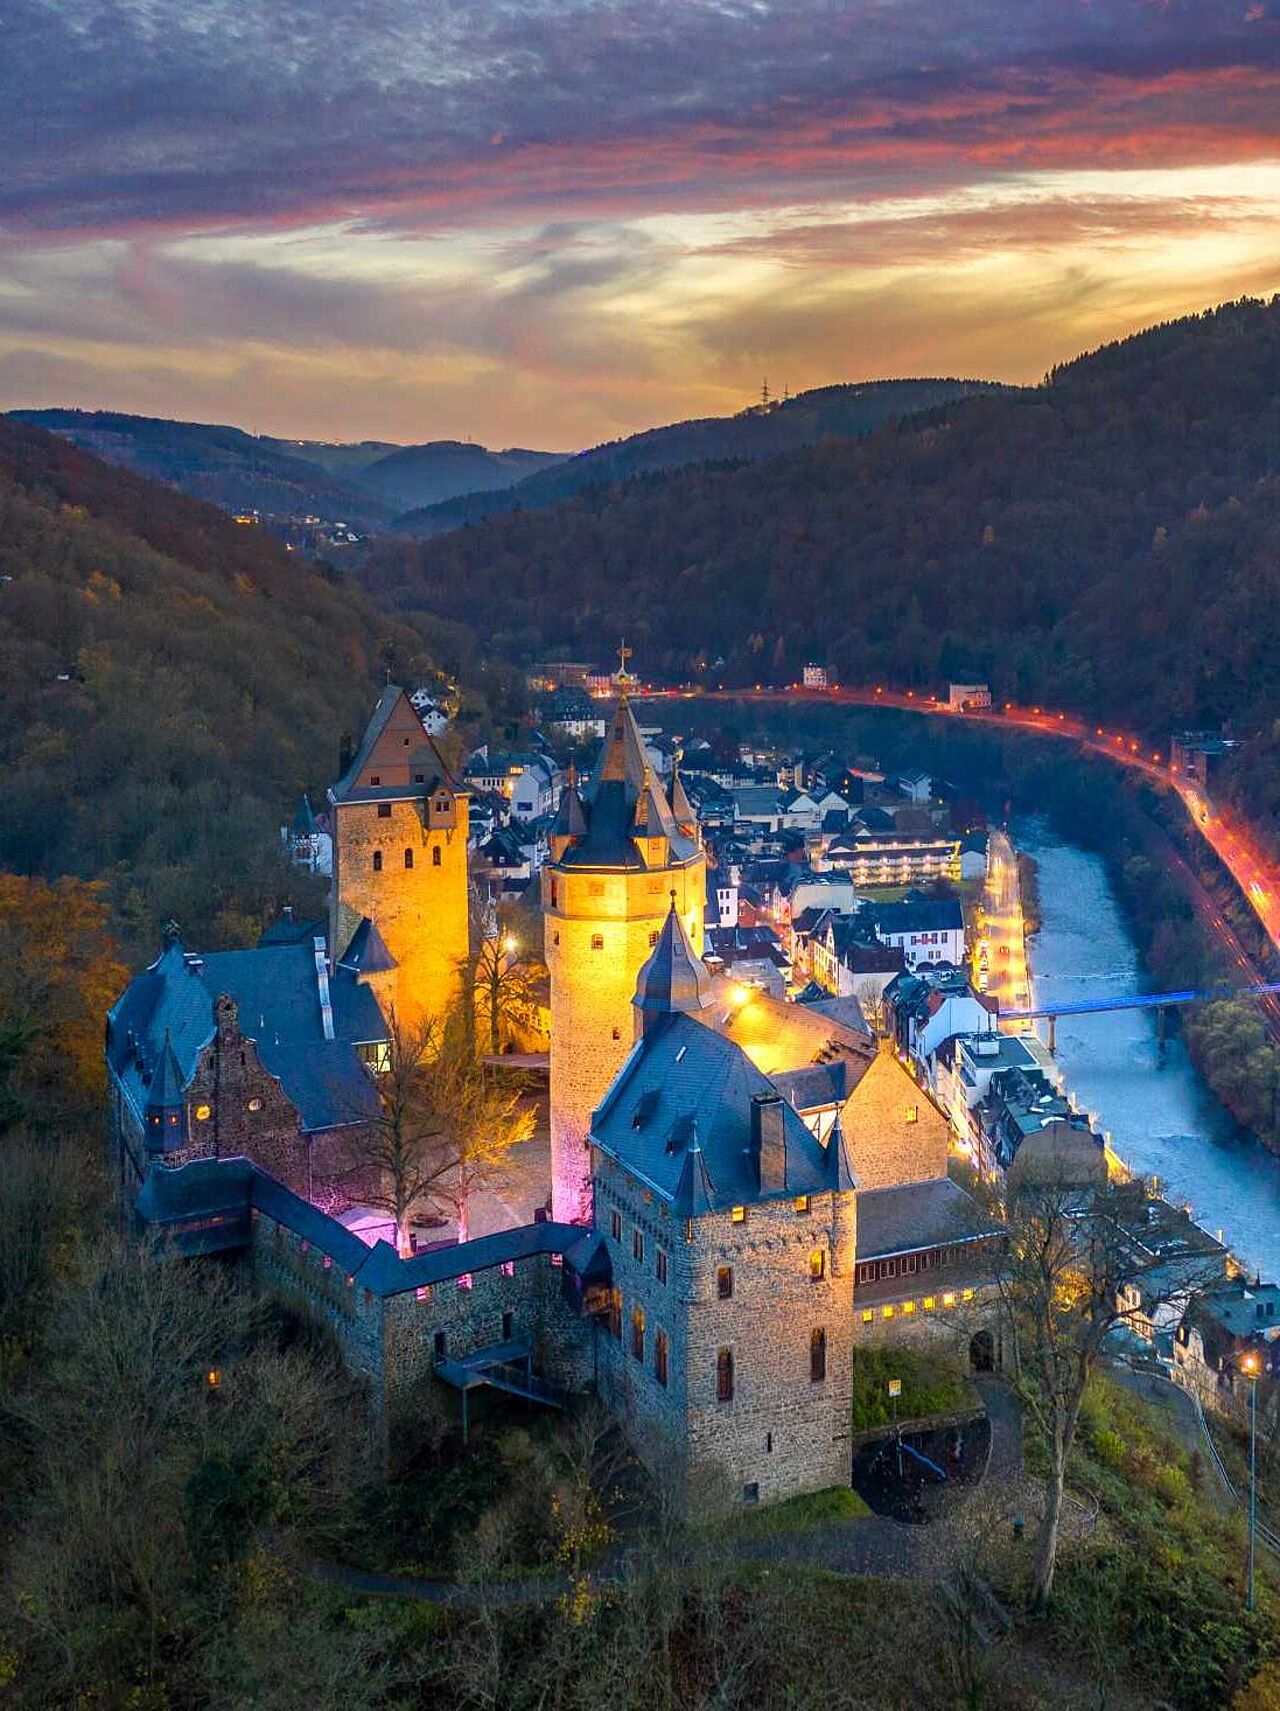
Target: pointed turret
<point x="675" y="980"/>
<point x="165" y="1111"/>
<point x="839" y="1172"/>
<point x="304" y="821"/>
<point x="682" y="811"/>
<point x="695" y="1192"/>
<point x="570" y="822"/>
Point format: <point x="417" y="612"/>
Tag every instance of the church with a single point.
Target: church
<point x="740" y="1188"/>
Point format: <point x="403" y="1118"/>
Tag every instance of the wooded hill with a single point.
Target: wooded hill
<point x="1108" y="541"/>
<point x="363" y="484"/>
<point x="763" y="431"/>
<point x="170" y="682"/>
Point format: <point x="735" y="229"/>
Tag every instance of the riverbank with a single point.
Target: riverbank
<point x="1163" y="1119"/>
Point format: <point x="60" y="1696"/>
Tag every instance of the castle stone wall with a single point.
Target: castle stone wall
<point x="599" y="930"/>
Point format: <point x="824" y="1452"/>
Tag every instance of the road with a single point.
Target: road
<point x="1004" y="934"/>
<point x="1227" y="835"/>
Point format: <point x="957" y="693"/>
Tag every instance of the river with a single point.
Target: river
<point x="1163" y="1119"/>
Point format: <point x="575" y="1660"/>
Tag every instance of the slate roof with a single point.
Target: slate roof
<point x="817" y="1084"/>
<point x="367" y="951"/>
<point x="211" y="1187"/>
<point x="674" y="977"/>
<point x="930" y="915"/>
<point x="785" y="1036"/>
<point x="621" y="802"/>
<point x="918" y="1215"/>
<point x="684" y="1080"/>
<point x="276" y="991"/>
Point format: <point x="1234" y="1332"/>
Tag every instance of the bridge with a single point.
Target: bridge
<point x="1157" y="1001"/>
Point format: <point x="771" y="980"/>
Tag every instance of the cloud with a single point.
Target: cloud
<point x="571" y="218"/>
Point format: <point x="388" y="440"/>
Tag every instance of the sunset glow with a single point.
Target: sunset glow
<point x="552" y="223"/>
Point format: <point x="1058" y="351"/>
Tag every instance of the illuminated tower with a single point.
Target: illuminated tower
<point x="398" y="902"/>
<point x="619" y="849"/>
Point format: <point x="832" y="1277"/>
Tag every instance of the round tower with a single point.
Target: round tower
<point x="619" y="851"/>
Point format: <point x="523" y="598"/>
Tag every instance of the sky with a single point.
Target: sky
<point x="552" y="222"/>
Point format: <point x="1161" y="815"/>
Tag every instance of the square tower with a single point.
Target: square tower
<point x="400" y="863"/>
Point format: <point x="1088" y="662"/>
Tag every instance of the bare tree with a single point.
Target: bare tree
<point x="500" y="982"/>
<point x="1071" y="1273"/>
<point x="403" y="1156"/>
<point x="481" y="1121"/>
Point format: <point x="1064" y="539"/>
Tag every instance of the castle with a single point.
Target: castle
<point x="741" y="1188"/>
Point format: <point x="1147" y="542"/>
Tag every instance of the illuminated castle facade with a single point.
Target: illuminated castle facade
<point x="622" y="851"/>
<point x="398" y="903"/>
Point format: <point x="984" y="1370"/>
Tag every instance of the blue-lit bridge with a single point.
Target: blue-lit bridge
<point x="1157" y="1001"/>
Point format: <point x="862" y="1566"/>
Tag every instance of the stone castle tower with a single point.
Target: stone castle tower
<point x="620" y="849"/>
<point x="398" y="901"/>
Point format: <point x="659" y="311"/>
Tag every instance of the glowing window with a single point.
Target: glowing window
<point x="929" y="1303"/>
<point x="597" y="941"/>
<point x="886" y="1312"/>
<point x="802" y="1203"/>
<point x="739" y="1214"/>
<point x="908" y="1307"/>
<point x="203" y="1113"/>
<point x="868" y="1316"/>
<point x="818" y="1264"/>
<point x="724" y="1283"/>
<point x="967" y="1295"/>
<point x="637" y="1333"/>
<point x="913" y="1113"/>
<point x="422" y="1292"/>
<point x="255" y="1104"/>
<point x="948" y="1300"/>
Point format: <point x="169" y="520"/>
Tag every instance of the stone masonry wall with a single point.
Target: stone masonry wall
<point x="886" y="1143"/>
<point x="781" y="1433"/>
<point x="421" y="912"/>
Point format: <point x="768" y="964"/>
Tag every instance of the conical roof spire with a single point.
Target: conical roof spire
<point x="839" y="1172"/>
<point x="695" y="1192"/>
<point x="165" y="1089"/>
<point x="681" y="807"/>
<point x="675" y="980"/>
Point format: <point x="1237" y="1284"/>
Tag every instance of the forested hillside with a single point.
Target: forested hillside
<point x="764" y="431"/>
<point x="170" y="681"/>
<point x="1109" y="541"/>
<point x="363" y="484"/>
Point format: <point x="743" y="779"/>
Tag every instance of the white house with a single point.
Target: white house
<point x="433" y="716"/>
<point x="927" y="931"/>
<point x="916" y="786"/>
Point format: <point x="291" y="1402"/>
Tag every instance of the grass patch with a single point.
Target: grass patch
<point x="798" y="1514"/>
<point x="931" y="1384"/>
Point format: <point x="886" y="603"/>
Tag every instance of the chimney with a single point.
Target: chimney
<point x="768" y="1141"/>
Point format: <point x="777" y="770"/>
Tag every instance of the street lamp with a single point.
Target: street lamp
<point x="1251" y="1366"/>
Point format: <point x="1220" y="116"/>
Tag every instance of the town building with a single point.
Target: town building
<point x="931" y="1005"/>
<point x="969" y="697"/>
<point x="872" y="856"/>
<point x="1222" y="1326"/>
<point x="926" y="930"/>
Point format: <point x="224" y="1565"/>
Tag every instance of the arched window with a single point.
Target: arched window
<point x="435" y="856"/>
<point x="817" y="1355"/>
<point x="637" y="1332"/>
<point x="377" y="861"/>
<point x="724" y="1376"/>
<point x="408" y="858"/>
<point x="818" y="1264"/>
